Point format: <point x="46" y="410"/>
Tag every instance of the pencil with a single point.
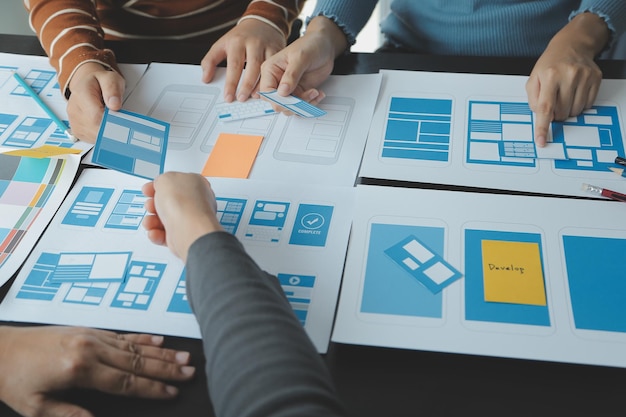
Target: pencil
<point x="620" y="161"/>
<point x="44" y="107"/>
<point x="604" y="192"/>
<point x="619" y="171"/>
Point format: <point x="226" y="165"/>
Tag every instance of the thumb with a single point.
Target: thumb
<point x="112" y="85"/>
<point x="54" y="408"/>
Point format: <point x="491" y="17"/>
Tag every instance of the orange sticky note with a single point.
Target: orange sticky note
<point x="232" y="156"/>
<point x="512" y="273"/>
<point x="45" y="151"/>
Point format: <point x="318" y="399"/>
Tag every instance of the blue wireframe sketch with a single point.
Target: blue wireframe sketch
<point x="597" y="289"/>
<point x="179" y="302"/>
<point x="5" y="121"/>
<point x="423" y="264"/>
<point x="128" y="212"/>
<point x="476" y="307"/>
<point x="419" y="129"/>
<point x="91" y="267"/>
<point x="229" y="212"/>
<point x="299" y="291"/>
<point x="59" y="138"/>
<point x="388" y="289"/>
<point x="500" y="133"/>
<point x="131" y="143"/>
<point x="38" y="284"/>
<point x="37" y="79"/>
<point x="593" y="139"/>
<point x="141" y="283"/>
<point x="267" y="221"/>
<point x="88" y="206"/>
<point x="27" y="132"/>
<point x="87" y="293"/>
<point x="312" y="225"/>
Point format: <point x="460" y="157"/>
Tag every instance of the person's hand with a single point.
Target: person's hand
<point x="182" y="208"/>
<point x="92" y="87"/>
<point x="565" y="80"/>
<point x="302" y="66"/>
<point x="249" y="43"/>
<point x="36" y="362"/>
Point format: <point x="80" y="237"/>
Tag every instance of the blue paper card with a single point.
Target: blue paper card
<point x="131" y="143"/>
<point x="91" y="267"/>
<point x="294" y="104"/>
<point x="423" y="264"/>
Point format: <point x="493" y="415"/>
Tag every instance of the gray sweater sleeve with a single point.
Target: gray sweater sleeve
<point x="259" y="360"/>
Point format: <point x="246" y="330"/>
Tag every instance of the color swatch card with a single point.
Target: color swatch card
<point x="507" y="276"/>
<point x="131" y="143"/>
<point x="294" y="104"/>
<point x="31" y="191"/>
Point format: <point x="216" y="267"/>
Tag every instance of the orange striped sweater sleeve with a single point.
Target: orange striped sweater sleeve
<point x="70" y="34"/>
<point x="279" y="14"/>
<point x="73" y="32"/>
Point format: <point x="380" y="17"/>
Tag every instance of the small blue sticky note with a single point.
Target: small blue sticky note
<point x="131" y="143"/>
<point x="423" y="264"/>
<point x="294" y="104"/>
<point x="312" y="225"/>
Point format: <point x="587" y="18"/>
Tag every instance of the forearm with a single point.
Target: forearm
<point x="279" y="14"/>
<point x="328" y="31"/>
<point x="259" y="359"/>
<point x="5" y="356"/>
<point x="587" y="33"/>
<point x="70" y="35"/>
<point x="349" y="15"/>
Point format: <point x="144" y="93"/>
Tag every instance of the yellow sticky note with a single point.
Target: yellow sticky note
<point x="232" y="156"/>
<point x="512" y="272"/>
<point x="45" y="151"/>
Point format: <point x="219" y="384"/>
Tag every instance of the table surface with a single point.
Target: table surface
<point x="373" y="381"/>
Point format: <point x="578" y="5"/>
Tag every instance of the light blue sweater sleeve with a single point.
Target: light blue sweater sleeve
<point x="472" y="27"/>
<point x="612" y="11"/>
<point x="350" y="15"/>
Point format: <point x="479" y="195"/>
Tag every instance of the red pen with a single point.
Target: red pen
<point x="604" y="192"/>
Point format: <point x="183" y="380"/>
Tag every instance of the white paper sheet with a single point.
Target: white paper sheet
<point x="446" y="128"/>
<point x="325" y="150"/>
<point x="579" y="246"/>
<point x="297" y="232"/>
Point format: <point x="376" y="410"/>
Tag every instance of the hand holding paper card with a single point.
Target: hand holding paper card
<point x="131" y="143"/>
<point x="294" y="104"/>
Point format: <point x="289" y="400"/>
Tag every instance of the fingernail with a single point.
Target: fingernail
<point x="182" y="357"/>
<point x="283" y="89"/>
<point x="157" y="340"/>
<point x="114" y="102"/>
<point x="313" y="94"/>
<point x="242" y="97"/>
<point x="229" y="98"/>
<point x="171" y="390"/>
<point x="541" y="141"/>
<point x="187" y="370"/>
